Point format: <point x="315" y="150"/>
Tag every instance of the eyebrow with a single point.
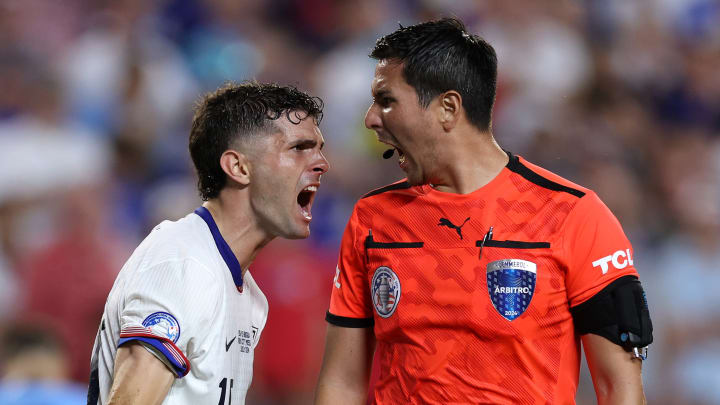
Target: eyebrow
<point x="380" y="93"/>
<point x="309" y="143"/>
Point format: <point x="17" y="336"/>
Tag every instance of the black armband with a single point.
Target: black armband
<point x="618" y="313"/>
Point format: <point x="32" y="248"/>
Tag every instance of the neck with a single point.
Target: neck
<point x="469" y="162"/>
<point x="239" y="230"/>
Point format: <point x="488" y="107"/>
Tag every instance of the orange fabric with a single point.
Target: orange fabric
<point x="445" y="342"/>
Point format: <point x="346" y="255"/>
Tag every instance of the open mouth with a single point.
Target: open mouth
<point x="390" y="152"/>
<point x="401" y="155"/>
<point x="305" y="200"/>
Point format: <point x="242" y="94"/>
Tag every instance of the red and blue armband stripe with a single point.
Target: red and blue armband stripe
<point x="180" y="363"/>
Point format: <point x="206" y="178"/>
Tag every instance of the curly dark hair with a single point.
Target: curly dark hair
<point x="441" y="55"/>
<point x="236" y="111"/>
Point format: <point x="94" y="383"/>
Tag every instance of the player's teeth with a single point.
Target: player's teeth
<point x="401" y="160"/>
<point x="306" y="214"/>
<point x="310" y="188"/>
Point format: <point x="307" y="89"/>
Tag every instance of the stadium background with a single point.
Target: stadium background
<point x="622" y="96"/>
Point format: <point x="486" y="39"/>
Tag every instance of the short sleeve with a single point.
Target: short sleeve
<point x="350" y="299"/>
<point x="171" y="306"/>
<point x="596" y="248"/>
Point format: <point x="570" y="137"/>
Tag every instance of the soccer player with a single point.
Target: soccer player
<point x="474" y="280"/>
<point x="185" y="315"/>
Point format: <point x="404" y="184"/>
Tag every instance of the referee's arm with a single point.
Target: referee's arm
<point x="346" y="367"/>
<point x="139" y="378"/>
<point x="615" y="372"/>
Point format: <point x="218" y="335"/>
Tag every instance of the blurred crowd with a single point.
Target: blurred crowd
<point x="96" y="97"/>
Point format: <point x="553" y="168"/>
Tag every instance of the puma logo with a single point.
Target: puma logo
<point x="458" y="229"/>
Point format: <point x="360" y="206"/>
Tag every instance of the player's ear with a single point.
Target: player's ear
<point x="236" y="165"/>
<point x="449" y="109"/>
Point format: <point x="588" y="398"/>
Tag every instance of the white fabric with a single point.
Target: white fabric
<point x="178" y="270"/>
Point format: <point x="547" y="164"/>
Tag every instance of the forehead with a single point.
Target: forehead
<point x="290" y="129"/>
<point x="388" y="76"/>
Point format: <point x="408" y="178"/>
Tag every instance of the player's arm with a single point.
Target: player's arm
<point x="140" y="378"/>
<point x="346" y="366"/>
<point x="615" y="372"/>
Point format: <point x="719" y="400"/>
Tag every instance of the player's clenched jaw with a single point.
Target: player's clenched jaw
<point x="401" y="122"/>
<point x="285" y="175"/>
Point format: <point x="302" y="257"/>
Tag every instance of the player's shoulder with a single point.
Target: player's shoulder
<point x="180" y="233"/>
<point x="543" y="178"/>
<point x="174" y="241"/>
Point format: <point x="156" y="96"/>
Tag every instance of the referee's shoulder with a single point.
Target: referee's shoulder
<point x="385" y="198"/>
<point x="546" y="179"/>
<point x="388" y="190"/>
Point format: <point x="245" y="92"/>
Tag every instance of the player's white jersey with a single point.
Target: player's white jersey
<point x="182" y="294"/>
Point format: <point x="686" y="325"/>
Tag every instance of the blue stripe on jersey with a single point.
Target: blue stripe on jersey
<point x="179" y="368"/>
<point x="223" y="247"/>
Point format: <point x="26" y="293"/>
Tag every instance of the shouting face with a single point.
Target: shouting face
<point x="400" y="121"/>
<point x="286" y="167"/>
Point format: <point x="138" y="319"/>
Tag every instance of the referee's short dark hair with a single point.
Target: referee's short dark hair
<point x="236" y="111"/>
<point x="441" y="55"/>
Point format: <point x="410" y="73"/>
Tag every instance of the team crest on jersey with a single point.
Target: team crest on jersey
<point x="385" y="291"/>
<point x="511" y="284"/>
<point x="163" y="324"/>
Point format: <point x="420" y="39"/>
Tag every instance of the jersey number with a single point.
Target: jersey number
<point x="223" y="388"/>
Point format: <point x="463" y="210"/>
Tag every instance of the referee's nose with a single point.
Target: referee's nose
<point x="372" y="118"/>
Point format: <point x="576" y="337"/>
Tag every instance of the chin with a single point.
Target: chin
<point x="298" y="233"/>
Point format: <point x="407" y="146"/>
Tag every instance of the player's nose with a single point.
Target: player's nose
<point x="321" y="164"/>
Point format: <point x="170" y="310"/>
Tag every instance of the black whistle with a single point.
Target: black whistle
<point x="388" y="153"/>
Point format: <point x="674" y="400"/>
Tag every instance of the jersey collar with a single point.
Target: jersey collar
<point x="223" y="247"/>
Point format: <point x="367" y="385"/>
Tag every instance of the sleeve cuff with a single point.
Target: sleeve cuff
<point x="346" y="322"/>
<point x="180" y="364"/>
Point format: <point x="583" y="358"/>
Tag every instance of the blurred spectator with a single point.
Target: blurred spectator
<point x="50" y="212"/>
<point x="69" y="278"/>
<point x="34" y="368"/>
<point x="42" y="152"/>
<point x="688" y="332"/>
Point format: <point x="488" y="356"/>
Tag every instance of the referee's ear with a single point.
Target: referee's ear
<point x="237" y="166"/>
<point x="449" y="109"/>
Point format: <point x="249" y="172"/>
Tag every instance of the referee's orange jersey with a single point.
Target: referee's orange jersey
<point x="463" y="315"/>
